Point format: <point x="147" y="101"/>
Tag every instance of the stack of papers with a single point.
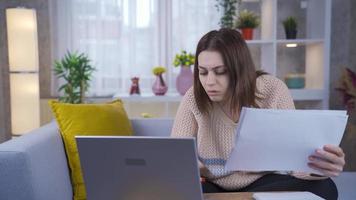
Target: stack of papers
<point x="282" y="140"/>
<point x="286" y="195"/>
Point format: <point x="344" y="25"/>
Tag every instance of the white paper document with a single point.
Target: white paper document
<point x="282" y="140"/>
<point x="285" y="195"/>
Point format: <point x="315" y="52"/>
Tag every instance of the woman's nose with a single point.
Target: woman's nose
<point x="210" y="79"/>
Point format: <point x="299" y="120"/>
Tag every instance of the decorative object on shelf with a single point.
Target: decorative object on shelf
<point x="347" y="87"/>
<point x="159" y="86"/>
<point x="246" y="22"/>
<point x="290" y="27"/>
<point x="76" y="70"/>
<point x="135" y="87"/>
<point x="185" y="77"/>
<point x="229" y="9"/>
<point x="295" y="80"/>
<point x="146" y="115"/>
<point x="22" y="42"/>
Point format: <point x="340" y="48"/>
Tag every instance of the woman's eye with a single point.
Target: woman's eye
<point x="220" y="72"/>
<point x="203" y="73"/>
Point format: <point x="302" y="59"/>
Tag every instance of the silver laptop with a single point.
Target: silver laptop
<point x="139" y="168"/>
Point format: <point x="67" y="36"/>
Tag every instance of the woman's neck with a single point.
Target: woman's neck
<point x="226" y="108"/>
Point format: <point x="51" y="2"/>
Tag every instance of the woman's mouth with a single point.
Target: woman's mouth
<point x="212" y="93"/>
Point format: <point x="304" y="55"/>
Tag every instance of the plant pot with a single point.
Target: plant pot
<point x="291" y="34"/>
<point x="247" y="33"/>
<point x="184" y="80"/>
<point x="295" y="81"/>
<point x="159" y="87"/>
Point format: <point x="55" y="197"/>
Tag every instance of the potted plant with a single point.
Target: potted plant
<point x="246" y="22"/>
<point x="185" y="78"/>
<point x="229" y="8"/>
<point x="76" y="71"/>
<point x="290" y="27"/>
<point x="159" y="86"/>
<point x="347" y="87"/>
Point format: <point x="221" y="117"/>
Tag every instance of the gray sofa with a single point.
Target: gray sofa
<point x="34" y="166"/>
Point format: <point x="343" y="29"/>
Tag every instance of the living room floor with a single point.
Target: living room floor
<point x="346" y="184"/>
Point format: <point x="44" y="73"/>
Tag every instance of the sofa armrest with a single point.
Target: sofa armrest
<point x="34" y="167"/>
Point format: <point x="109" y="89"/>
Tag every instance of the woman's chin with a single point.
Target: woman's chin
<point x="215" y="98"/>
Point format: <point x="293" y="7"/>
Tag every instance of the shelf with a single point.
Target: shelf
<point x="259" y="41"/>
<point x="150" y="97"/>
<point x="297" y="94"/>
<point x="250" y="1"/>
<point x="281" y="42"/>
<point x="307" y="94"/>
<point x="301" y="41"/>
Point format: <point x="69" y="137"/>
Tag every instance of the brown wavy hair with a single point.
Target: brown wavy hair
<point x="240" y="67"/>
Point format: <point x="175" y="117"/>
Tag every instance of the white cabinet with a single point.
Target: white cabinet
<point x="310" y="57"/>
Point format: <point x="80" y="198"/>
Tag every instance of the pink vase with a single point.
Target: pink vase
<point x="184" y="79"/>
<point x="159" y="86"/>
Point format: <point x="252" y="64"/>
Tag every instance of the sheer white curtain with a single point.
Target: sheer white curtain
<point x="190" y="21"/>
<point x="126" y="38"/>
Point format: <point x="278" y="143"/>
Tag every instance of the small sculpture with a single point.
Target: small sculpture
<point x="135" y="87"/>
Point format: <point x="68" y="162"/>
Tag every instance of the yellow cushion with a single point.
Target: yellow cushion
<point x="87" y="119"/>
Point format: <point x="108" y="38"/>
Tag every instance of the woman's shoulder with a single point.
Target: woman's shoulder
<point x="268" y="83"/>
<point x="189" y="95"/>
<point x="273" y="93"/>
<point x="188" y="98"/>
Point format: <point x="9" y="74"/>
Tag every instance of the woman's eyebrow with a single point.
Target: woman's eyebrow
<point x="219" y="66"/>
<point x="213" y="68"/>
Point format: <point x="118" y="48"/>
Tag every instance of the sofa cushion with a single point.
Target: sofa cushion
<point x="87" y="119"/>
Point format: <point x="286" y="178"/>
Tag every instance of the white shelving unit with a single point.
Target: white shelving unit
<point x="310" y="57"/>
<point x="269" y="52"/>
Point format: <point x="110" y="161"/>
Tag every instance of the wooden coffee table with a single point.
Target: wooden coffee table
<point x="228" y="196"/>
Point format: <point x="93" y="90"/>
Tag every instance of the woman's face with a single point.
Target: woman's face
<point x="213" y="75"/>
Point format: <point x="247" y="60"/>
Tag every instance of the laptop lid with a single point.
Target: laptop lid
<point x="136" y="168"/>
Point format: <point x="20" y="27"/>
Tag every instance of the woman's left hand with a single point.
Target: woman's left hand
<point x="329" y="161"/>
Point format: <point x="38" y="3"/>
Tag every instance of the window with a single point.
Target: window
<point x="126" y="38"/>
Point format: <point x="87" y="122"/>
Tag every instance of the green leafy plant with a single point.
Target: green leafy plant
<point x="229" y="8"/>
<point x="247" y="19"/>
<point x="184" y="59"/>
<point x="76" y="71"/>
<point x="158" y="70"/>
<point x="290" y="23"/>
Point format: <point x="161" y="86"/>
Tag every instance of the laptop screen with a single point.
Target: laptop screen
<point x="136" y="168"/>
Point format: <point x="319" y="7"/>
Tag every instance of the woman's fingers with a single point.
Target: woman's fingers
<point x="334" y="149"/>
<point x="325" y="165"/>
<point x="331" y="155"/>
<point x="325" y="172"/>
<point x="330" y="160"/>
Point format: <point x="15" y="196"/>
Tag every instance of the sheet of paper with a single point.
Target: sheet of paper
<point x="282" y="140"/>
<point x="285" y="195"/>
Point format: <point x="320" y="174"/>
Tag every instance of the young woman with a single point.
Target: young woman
<point x="225" y="80"/>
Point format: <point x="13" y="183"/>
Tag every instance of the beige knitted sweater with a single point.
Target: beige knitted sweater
<point x="215" y="133"/>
